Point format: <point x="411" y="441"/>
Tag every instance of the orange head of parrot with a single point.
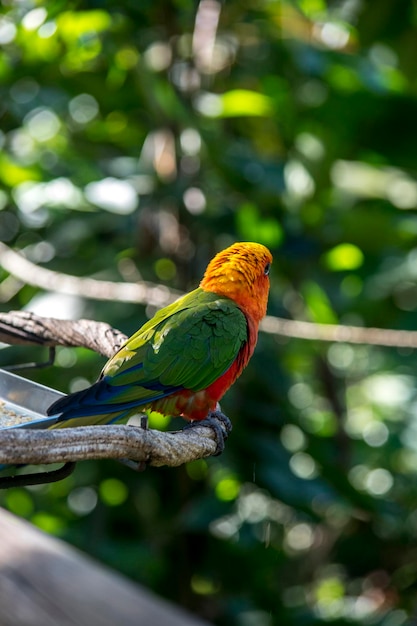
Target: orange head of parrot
<point x="240" y="273"/>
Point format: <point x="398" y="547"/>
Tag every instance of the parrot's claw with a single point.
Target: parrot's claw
<point x="220" y="423"/>
<point x="221" y="417"/>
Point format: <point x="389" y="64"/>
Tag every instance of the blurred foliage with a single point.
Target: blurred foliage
<point x="137" y="139"/>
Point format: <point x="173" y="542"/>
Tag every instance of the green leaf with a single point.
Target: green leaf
<point x="74" y="24"/>
<point x="235" y="103"/>
<point x="318" y="304"/>
<point x="254" y="227"/>
<point x="345" y="256"/>
<point x="244" y="102"/>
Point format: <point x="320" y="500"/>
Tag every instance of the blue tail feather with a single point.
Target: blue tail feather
<point x="101" y="398"/>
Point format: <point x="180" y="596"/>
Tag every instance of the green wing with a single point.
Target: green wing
<point x="188" y="344"/>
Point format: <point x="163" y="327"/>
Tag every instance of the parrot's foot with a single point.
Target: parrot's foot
<point x="221" y="417"/>
<point x="220" y="423"/>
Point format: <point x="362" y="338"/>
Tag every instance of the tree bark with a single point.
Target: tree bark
<point x="149" y="447"/>
<point x="24" y="328"/>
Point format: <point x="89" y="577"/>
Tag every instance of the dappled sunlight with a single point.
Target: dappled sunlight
<point x="364" y="180"/>
<point x="113" y="195"/>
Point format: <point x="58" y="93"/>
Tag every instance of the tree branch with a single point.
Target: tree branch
<point x="339" y="333"/>
<point x="24" y="328"/>
<point x="31" y="274"/>
<point x="150" y="447"/>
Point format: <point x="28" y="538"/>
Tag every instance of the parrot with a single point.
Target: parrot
<point x="183" y="360"/>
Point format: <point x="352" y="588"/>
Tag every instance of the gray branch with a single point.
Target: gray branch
<point x="24" y="328"/>
<point x="149" y="447"/>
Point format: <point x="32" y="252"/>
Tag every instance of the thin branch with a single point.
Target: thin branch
<point x="31" y="274"/>
<point x="339" y="333"/>
<point x="157" y="295"/>
<point x="151" y="447"/>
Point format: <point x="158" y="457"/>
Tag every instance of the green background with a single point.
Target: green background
<point x="137" y="141"/>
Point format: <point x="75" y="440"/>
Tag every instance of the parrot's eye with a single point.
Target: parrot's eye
<point x="267" y="268"/>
